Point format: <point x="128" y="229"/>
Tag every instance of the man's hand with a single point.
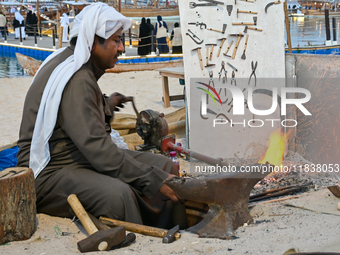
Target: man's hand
<point x="167" y="191"/>
<point x="119" y="99"/>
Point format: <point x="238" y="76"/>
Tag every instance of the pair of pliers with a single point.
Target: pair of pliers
<point x="253" y="72"/>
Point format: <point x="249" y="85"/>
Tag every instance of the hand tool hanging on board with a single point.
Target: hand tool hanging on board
<point x="225" y="53"/>
<point x="167" y="235"/>
<point x="270" y="4"/>
<point x="208" y="55"/>
<point x="253" y="67"/>
<point x="202" y="25"/>
<point x="233" y="79"/>
<point x="219" y="50"/>
<point x="211" y="1"/>
<point x="246" y="23"/>
<point x="194" y="5"/>
<point x="194" y="37"/>
<point x="249" y="1"/>
<point x="252" y="28"/>
<point x="240" y="35"/>
<point x="212" y="49"/>
<point x="229" y="9"/>
<point x="249" y="12"/>
<point x="199" y="55"/>
<point x="102" y="240"/>
<point x="245" y="47"/>
<point x="220" y="31"/>
<point x="233" y="67"/>
<point x="224" y="79"/>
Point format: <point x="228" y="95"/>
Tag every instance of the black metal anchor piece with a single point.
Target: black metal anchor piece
<point x="194" y="37"/>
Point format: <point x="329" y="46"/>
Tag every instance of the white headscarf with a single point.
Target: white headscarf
<point x="95" y="19"/>
<point x="18" y="16"/>
<point x="64" y="20"/>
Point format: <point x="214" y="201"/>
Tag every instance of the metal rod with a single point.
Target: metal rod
<point x="130" y="39"/>
<point x="5" y="30"/>
<point x="35" y="37"/>
<point x="53" y="39"/>
<point x="20" y="35"/>
<point x="196" y="155"/>
<point x="328" y="33"/>
<point x="152" y="42"/>
<point x="334" y="29"/>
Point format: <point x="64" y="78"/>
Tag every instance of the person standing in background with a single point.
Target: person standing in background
<point x="151" y="28"/>
<point x="64" y="23"/>
<point x="161" y="31"/>
<point x="3" y="23"/>
<point x="176" y="38"/>
<point x="144" y="38"/>
<point x="19" y="23"/>
<point x="29" y="28"/>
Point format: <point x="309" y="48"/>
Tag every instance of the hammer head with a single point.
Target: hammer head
<point x="224" y="28"/>
<point x="102" y="240"/>
<point x="245" y="29"/>
<point x="170" y="236"/>
<point x="198" y="48"/>
<point x="255" y="20"/>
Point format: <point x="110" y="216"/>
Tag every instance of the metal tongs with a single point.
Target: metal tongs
<point x="211" y="1"/>
<point x="194" y="5"/>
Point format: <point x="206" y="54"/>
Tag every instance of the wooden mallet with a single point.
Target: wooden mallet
<point x="102" y="240"/>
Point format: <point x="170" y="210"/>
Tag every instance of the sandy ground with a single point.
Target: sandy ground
<point x="276" y="227"/>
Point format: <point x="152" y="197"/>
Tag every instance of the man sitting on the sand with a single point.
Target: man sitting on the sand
<point x="65" y="133"/>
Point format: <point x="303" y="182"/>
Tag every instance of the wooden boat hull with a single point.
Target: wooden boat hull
<point x="31" y="65"/>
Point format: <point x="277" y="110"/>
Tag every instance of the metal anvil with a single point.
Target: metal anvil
<point x="227" y="195"/>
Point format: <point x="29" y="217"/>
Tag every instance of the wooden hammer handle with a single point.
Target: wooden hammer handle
<point x="81" y="214"/>
<point x="243" y="23"/>
<point x="245" y="45"/>
<point x="251" y="12"/>
<point x="225" y="53"/>
<point x="141" y="229"/>
<point x="255" y="28"/>
<point x="211" y="29"/>
<point x="237" y="43"/>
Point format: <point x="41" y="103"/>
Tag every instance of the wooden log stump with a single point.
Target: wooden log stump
<point x="17" y="204"/>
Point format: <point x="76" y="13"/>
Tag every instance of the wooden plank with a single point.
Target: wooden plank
<point x="165" y="86"/>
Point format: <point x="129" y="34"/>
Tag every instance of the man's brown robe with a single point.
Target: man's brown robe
<point x="109" y="181"/>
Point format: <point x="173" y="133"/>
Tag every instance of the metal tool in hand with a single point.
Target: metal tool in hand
<point x="253" y="72"/>
<point x="194" y="5"/>
<point x="233" y="79"/>
<point x="194" y="37"/>
<point x="202" y="25"/>
<point x="211" y="1"/>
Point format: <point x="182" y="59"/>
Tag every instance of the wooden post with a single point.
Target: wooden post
<point x="17" y="204"/>
<point x="61" y="38"/>
<point x="119" y="5"/>
<point x="38" y="16"/>
<point x="289" y="39"/>
<point x="58" y="24"/>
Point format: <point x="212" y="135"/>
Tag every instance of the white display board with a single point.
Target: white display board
<point x="265" y="46"/>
